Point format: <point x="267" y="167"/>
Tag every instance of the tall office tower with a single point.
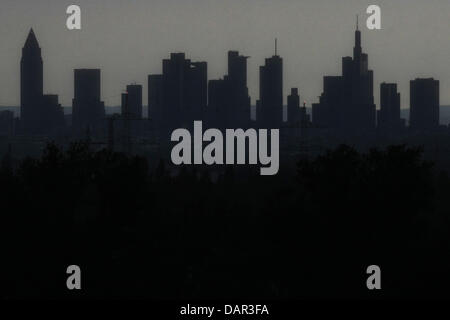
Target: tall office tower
<point x="133" y="108"/>
<point x="228" y="98"/>
<point x="293" y="107"/>
<point x="40" y="114"/>
<point x="88" y="111"/>
<point x="350" y="105"/>
<point x="424" y="99"/>
<point x="239" y="104"/>
<point x="184" y="88"/>
<point x="196" y="91"/>
<point x="362" y="113"/>
<point x="327" y="113"/>
<point x="31" y="84"/>
<point x="271" y="92"/>
<point x="389" y="113"/>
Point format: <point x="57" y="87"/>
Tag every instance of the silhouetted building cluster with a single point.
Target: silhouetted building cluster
<point x="347" y="102"/>
<point x="182" y="94"/>
<point x="178" y="96"/>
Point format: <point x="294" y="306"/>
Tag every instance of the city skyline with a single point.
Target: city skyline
<point x="182" y="95"/>
<point x="208" y="150"/>
<point x="297" y="61"/>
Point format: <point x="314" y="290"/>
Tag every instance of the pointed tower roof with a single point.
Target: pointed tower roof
<point x="31" y="41"/>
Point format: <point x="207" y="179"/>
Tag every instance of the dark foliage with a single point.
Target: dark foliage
<point x="141" y="234"/>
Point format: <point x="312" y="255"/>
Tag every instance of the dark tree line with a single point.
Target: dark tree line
<point x="137" y="233"/>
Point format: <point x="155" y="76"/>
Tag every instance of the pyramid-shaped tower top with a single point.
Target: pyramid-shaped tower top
<point x="31" y="41"/>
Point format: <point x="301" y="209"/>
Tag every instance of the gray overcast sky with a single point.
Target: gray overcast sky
<point x="128" y="40"/>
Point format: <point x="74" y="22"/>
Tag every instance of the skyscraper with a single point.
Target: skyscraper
<point x="131" y="110"/>
<point x="293" y="107"/>
<point x="347" y="102"/>
<point x="424" y="99"/>
<point x="196" y="91"/>
<point x="389" y="113"/>
<point x="134" y="105"/>
<point x="40" y="114"/>
<point x="358" y="91"/>
<point x="31" y="84"/>
<point x="271" y="92"/>
<point x="328" y="112"/>
<point x="228" y="98"/>
<point x="88" y="111"/>
<point x="238" y="94"/>
<point x="184" y="88"/>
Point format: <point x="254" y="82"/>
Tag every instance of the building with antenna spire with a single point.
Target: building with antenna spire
<point x="347" y="102"/>
<point x="270" y="104"/>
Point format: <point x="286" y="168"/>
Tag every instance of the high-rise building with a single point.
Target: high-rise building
<point x="31" y="84"/>
<point x="228" y="98"/>
<point x="239" y="104"/>
<point x="328" y="112"/>
<point x="133" y="107"/>
<point x="347" y="102"/>
<point x="293" y="107"/>
<point x="184" y="91"/>
<point x="40" y="114"/>
<point x="131" y="110"/>
<point x="196" y="97"/>
<point x="271" y="92"/>
<point x="88" y="110"/>
<point x="237" y="69"/>
<point x="424" y="99"/>
<point x="389" y="114"/>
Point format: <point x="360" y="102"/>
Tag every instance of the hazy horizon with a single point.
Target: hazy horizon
<point x="129" y="40"/>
